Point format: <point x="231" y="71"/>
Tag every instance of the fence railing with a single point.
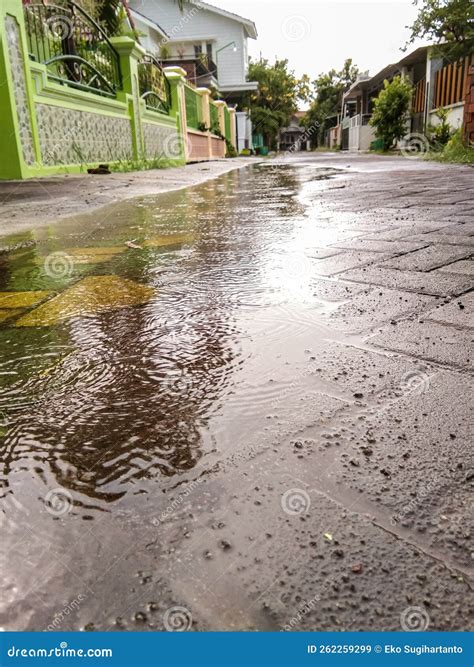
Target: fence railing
<point x="419" y="97"/>
<point x="450" y="84"/>
<point x="73" y="46"/>
<point x="193" y="107"/>
<point x="214" y="114"/>
<point x="227" y="122"/>
<point x="154" y="86"/>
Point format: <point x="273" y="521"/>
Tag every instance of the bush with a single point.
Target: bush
<point x="440" y="134"/>
<point x="391" y="111"/>
<point x="455" y="151"/>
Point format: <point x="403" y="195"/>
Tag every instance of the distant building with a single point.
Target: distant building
<point x="294" y="137"/>
<point x="436" y="83"/>
<point x="209" y="43"/>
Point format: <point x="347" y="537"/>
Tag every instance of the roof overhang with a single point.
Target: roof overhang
<point x="240" y="88"/>
<point x="150" y="24"/>
<point x="249" y="26"/>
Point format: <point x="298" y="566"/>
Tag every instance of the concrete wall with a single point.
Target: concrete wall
<point x="360" y="137"/>
<point x="244" y="131"/>
<point x="455" y="116"/>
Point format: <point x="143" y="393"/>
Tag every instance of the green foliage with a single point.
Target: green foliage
<point x="328" y="91"/>
<point x="447" y="23"/>
<point x="391" y="111"/>
<point x="454" y="151"/>
<point x="230" y="150"/>
<point x="440" y="134"/>
<point x="110" y="14"/>
<point x="277" y="97"/>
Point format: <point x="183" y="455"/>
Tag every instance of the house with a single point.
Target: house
<point x="436" y="84"/>
<point x="209" y="43"/>
<point x="294" y="137"/>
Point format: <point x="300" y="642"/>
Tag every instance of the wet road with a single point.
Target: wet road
<point x="254" y="415"/>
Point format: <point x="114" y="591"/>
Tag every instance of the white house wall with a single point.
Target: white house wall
<point x="200" y="25"/>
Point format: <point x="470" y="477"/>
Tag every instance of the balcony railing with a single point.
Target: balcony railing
<point x="154" y="86"/>
<point x="197" y="68"/>
<point x="360" y="119"/>
<point x="74" y="48"/>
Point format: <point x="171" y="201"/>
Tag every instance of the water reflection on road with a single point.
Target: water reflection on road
<point x="126" y="371"/>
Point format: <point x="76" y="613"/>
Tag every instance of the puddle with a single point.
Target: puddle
<point x="127" y="370"/>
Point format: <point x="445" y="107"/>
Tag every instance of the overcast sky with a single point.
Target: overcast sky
<point x="316" y="35"/>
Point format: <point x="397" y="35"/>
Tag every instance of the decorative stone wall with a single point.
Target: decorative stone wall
<point x="161" y="141"/>
<point x="70" y="137"/>
<point x="15" y="54"/>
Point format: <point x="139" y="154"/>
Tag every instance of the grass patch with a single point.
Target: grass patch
<point x="124" y="166"/>
<point x="454" y="152"/>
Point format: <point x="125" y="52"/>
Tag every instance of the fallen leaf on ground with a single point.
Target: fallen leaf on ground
<point x="135" y="246"/>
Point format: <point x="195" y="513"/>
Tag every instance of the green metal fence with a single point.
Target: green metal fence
<point x="193" y="107"/>
<point x="227" y="123"/>
<point x="214" y="112"/>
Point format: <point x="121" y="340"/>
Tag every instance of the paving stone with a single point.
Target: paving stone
<point x="435" y="283"/>
<point x="323" y="253"/>
<point x="444" y="239"/>
<point x="93" y="294"/>
<point x="346" y="371"/>
<point x="429" y="340"/>
<point x="464" y="267"/>
<point x="415" y="231"/>
<point x="415" y="456"/>
<point x="377" y="306"/>
<point x="427" y="258"/>
<point x="459" y="312"/>
<point x="334" y="290"/>
<point x="346" y="260"/>
<point x="381" y="245"/>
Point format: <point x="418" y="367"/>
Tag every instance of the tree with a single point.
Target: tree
<point x="277" y="97"/>
<point x="448" y="23"/>
<point x="328" y="91"/>
<point x="391" y="111"/>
